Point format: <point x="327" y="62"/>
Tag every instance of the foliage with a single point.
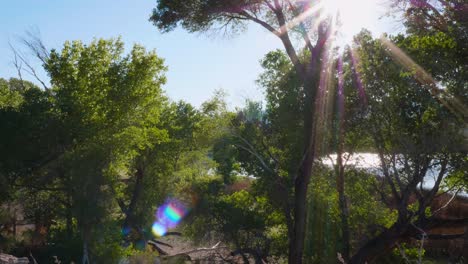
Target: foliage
<point x="368" y="215"/>
<point x="93" y="129"/>
<point x="415" y="129"/>
<point x="90" y="158"/>
<point x="245" y="220"/>
<point x="10" y="93"/>
<point x="288" y="175"/>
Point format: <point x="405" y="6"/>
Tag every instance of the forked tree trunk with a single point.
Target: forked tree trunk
<point x="301" y="183"/>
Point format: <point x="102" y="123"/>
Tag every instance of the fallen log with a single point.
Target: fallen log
<point x="9" y="259"/>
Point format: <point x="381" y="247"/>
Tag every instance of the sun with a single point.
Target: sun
<point x="353" y="15"/>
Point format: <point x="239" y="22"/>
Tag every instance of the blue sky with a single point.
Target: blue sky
<point x="198" y="64"/>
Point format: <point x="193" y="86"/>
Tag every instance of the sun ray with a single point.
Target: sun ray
<point x="453" y="104"/>
<point x="340" y="87"/>
<point x="325" y="92"/>
<point x="357" y="76"/>
<point x="352" y="16"/>
<point x="303" y="16"/>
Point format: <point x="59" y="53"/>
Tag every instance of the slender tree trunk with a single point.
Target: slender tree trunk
<point x="85" y="253"/>
<point x="69" y="218"/>
<point x="340" y="169"/>
<point x="465" y="244"/>
<point x="344" y="210"/>
<point x="85" y="237"/>
<point x="68" y="204"/>
<point x="14" y="223"/>
<point x="69" y="223"/>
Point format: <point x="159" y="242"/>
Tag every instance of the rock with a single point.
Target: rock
<point x="9" y="259"/>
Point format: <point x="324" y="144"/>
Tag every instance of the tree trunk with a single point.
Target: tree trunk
<point x="378" y="246"/>
<point x="85" y="236"/>
<point x="68" y="204"/>
<point x="340" y="169"/>
<point x="14" y="223"/>
<point x="296" y="244"/>
<point x="69" y="218"/>
<point x="129" y="221"/>
<point x="344" y="211"/>
<point x="85" y="253"/>
<point x="301" y="183"/>
<point x="465" y="244"/>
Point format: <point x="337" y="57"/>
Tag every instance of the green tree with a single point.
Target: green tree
<point x="283" y="19"/>
<point x="109" y="105"/>
<point x="10" y="92"/>
<point x="399" y="130"/>
<point x="415" y="135"/>
<point x="29" y="133"/>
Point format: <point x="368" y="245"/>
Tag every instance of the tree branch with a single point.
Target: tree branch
<point x="215" y="247"/>
<point x="260" y="22"/>
<point x="302" y="29"/>
<point x="18" y="64"/>
<point x="284" y="37"/>
<point x="30" y="69"/>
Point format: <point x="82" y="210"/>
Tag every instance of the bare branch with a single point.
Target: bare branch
<point x="161" y="243"/>
<point x="35" y="44"/>
<point x="18" y="64"/>
<point x="156" y="246"/>
<point x="20" y="60"/>
<point x="215" y="247"/>
<point x="285" y="39"/>
<point x="269" y="5"/>
<point x="403" y="253"/>
<point x="269" y="152"/>
<point x="446" y="204"/>
<point x="32" y="257"/>
<point x="381" y="192"/>
<point x="395" y="171"/>
<point x="253" y="152"/>
<point x="430" y="195"/>
<point x="388" y="177"/>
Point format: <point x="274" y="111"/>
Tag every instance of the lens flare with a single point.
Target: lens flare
<point x="172" y="214"/>
<point x="353" y="16"/>
<point x="168" y="216"/>
<point x="453" y="104"/>
<point x="158" y="229"/>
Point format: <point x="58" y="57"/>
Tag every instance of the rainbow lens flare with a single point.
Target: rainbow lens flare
<point x="168" y="216"/>
<point x="173" y="214"/>
<point x="158" y="229"/>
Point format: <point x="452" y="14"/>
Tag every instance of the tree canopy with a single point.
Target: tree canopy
<point x="103" y="167"/>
